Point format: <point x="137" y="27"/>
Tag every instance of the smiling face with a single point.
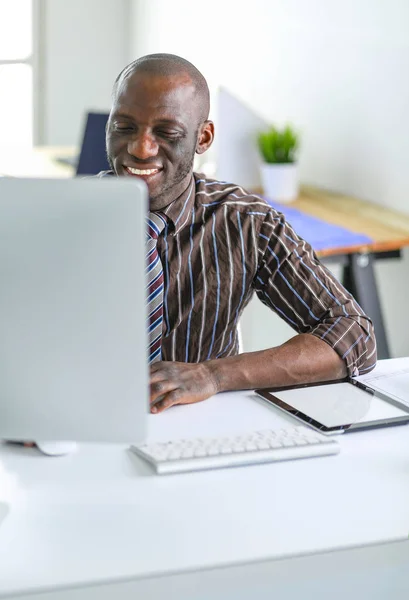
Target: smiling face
<point x="154" y="129"/>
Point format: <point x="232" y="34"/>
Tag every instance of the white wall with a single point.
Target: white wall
<point x="85" y="43"/>
<point x="336" y="69"/>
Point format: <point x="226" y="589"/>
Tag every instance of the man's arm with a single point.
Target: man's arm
<point x="335" y="337"/>
<point x="302" y="359"/>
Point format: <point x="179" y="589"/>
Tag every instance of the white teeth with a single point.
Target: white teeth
<point x="142" y="171"/>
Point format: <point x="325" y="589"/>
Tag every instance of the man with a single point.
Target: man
<point x="211" y="244"/>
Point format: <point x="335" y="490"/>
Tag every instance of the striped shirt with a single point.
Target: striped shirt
<point x="219" y="246"/>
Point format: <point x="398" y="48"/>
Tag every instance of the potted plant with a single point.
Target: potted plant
<point x="279" y="172"/>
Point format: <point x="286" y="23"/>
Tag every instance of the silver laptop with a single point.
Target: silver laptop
<point x="73" y="357"/>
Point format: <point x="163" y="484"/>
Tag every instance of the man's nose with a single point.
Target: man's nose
<point x="143" y="146"/>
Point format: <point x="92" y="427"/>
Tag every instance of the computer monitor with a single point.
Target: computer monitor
<point x="237" y="156"/>
<point x="73" y="342"/>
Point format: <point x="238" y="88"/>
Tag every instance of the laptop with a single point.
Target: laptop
<point x="73" y="344"/>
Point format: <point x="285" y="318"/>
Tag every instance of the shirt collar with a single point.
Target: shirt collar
<point x="179" y="211"/>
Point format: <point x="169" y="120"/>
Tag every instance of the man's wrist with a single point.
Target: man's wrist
<point x="225" y="375"/>
<point x="215" y="374"/>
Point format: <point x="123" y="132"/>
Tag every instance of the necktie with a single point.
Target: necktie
<point x="155" y="222"/>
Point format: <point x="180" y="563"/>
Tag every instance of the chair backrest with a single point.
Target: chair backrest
<point x="93" y="157"/>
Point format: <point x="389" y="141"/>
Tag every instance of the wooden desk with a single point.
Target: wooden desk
<point x="388" y="229"/>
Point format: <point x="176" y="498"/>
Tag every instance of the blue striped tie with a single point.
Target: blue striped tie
<point x="155" y="222"/>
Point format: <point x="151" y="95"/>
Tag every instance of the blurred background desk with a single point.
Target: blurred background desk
<point x="387" y="230"/>
<point x="41" y="161"/>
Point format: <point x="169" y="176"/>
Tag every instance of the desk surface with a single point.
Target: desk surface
<point x="103" y="503"/>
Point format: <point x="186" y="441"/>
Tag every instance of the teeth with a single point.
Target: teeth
<point x="142" y="171"/>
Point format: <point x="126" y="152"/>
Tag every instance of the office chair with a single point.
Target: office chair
<point x="92" y="158"/>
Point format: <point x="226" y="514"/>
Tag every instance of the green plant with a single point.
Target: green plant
<point x="278" y="146"/>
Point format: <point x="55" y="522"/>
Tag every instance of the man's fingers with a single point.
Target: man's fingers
<point x="160" y="388"/>
<point x="169" y="400"/>
<point x="158" y="376"/>
<point x="179" y="383"/>
<point x="160" y="370"/>
<point x="155" y="367"/>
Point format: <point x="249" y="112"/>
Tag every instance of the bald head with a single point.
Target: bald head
<point x="158" y="122"/>
<point x="172" y="67"/>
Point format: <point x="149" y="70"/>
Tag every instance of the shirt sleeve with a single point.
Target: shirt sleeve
<point x="292" y="282"/>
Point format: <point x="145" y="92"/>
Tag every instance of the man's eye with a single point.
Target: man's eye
<point x="122" y="127"/>
<point x="169" y="134"/>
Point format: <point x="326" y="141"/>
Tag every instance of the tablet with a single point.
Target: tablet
<point x="337" y="406"/>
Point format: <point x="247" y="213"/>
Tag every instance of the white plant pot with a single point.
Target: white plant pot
<point x="280" y="181"/>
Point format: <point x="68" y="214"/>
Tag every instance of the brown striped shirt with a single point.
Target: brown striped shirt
<point x="222" y="244"/>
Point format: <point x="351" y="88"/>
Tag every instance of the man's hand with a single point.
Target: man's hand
<point x="180" y="383"/>
<point x="302" y="359"/>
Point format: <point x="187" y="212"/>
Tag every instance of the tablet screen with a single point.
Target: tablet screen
<point x="337" y="405"/>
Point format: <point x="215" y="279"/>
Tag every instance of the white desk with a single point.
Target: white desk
<point x="98" y="524"/>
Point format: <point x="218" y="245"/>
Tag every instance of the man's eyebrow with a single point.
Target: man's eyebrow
<point x="121" y="114"/>
<point x="172" y="122"/>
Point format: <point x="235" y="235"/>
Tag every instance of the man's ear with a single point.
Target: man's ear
<point x="205" y="137"/>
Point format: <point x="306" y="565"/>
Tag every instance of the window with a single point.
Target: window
<point x="16" y="73"/>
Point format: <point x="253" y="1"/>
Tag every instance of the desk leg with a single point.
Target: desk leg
<point x="359" y="279"/>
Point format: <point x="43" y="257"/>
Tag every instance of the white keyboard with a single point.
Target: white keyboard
<point x="257" y="447"/>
